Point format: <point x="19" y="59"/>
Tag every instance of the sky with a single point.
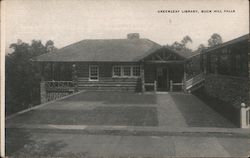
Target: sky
<point x="69" y="21"/>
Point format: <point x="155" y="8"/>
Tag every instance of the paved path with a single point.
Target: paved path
<point x="126" y="109"/>
<point x="80" y="145"/>
<point x="125" y="124"/>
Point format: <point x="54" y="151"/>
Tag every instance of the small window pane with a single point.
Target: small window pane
<point x="136" y="71"/>
<point x="127" y="71"/>
<point x="93" y="71"/>
<point x="117" y="71"/>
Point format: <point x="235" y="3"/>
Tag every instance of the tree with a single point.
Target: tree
<point x="22" y="75"/>
<point x="181" y="46"/>
<point x="177" y="46"/>
<point x="201" y="47"/>
<point x="50" y="46"/>
<point x="214" y="40"/>
<point x="186" y="40"/>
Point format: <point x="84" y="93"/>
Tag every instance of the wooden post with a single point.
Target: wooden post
<point x="155" y="86"/>
<point x="142" y="78"/>
<point x="171" y="86"/>
<point x="75" y="78"/>
<point x="244" y="116"/>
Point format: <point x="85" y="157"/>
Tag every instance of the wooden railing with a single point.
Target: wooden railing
<point x="194" y="81"/>
<point x="52" y="90"/>
<point x="59" y="85"/>
<point x="172" y="84"/>
<point x="151" y="84"/>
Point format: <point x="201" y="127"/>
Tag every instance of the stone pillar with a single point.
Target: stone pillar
<point x="248" y="71"/>
<point x="75" y="77"/>
<point x="142" y="78"/>
<point x="43" y="95"/>
<point x="184" y="77"/>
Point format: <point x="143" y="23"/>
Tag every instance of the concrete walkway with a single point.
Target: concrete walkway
<point x="126" y="109"/>
<point x="112" y="124"/>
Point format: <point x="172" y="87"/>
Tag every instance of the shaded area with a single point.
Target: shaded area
<point x="113" y="97"/>
<point x="198" y="114"/>
<point x="19" y="143"/>
<point x="127" y="116"/>
<point x="225" y="109"/>
<point x="15" y="140"/>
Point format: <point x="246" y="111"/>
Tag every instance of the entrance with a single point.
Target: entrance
<point x="162" y="79"/>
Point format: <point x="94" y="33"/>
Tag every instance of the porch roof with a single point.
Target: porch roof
<point x="231" y="42"/>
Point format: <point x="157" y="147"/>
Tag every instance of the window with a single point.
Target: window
<point x="117" y="71"/>
<point x="136" y="71"/>
<point x="93" y="73"/>
<point x="224" y="62"/>
<point x="241" y="65"/>
<point x="213" y="63"/>
<point x="126" y="71"/>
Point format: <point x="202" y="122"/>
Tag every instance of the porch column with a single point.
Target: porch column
<point x="142" y="78"/>
<point x="75" y="78"/>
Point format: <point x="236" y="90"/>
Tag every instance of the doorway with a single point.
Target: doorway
<point x="162" y="75"/>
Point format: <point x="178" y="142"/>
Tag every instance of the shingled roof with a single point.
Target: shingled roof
<point x="115" y="50"/>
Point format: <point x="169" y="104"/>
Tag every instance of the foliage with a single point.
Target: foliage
<point x="181" y="46"/>
<point x="186" y="40"/>
<point x="214" y="40"/>
<point x="22" y="75"/>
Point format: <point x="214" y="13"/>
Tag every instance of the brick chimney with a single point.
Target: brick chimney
<point x="131" y="36"/>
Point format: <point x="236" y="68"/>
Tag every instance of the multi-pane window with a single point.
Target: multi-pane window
<point x="117" y="71"/>
<point x="126" y="71"/>
<point x="136" y="71"/>
<point x="93" y="73"/>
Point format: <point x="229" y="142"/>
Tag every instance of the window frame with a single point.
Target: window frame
<point x="113" y="72"/>
<point x="90" y="79"/>
<point x="122" y="71"/>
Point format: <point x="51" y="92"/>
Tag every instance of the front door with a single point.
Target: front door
<point x="162" y="79"/>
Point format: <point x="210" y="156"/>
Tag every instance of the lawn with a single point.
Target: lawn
<point x="123" y="116"/>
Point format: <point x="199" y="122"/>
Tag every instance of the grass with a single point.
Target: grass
<point x="127" y="116"/>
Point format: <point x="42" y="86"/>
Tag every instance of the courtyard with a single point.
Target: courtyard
<point x="124" y="124"/>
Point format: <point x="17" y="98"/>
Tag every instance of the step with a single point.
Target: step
<point x="107" y="82"/>
<point x="130" y="90"/>
<point x="106" y="85"/>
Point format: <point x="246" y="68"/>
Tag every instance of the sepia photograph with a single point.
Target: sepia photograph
<point x="123" y="78"/>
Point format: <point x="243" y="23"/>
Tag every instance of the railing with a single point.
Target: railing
<point x="194" y="81"/>
<point x="245" y="116"/>
<point x="151" y="84"/>
<point x="172" y="84"/>
<point x="59" y="85"/>
<point x="52" y="90"/>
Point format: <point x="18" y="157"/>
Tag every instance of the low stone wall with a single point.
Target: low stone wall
<point x="232" y="90"/>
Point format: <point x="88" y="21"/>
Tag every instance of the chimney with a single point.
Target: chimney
<point x="131" y="36"/>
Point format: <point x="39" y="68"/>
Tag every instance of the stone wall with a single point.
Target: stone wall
<point x="232" y="90"/>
